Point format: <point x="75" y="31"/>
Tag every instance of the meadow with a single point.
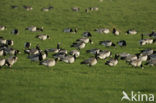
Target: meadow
<point x="29" y="82"/>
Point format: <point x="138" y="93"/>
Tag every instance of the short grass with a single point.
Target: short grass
<point x="28" y="82"/>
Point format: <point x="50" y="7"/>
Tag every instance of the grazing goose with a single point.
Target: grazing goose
<point x="28" y="8"/>
<point x="48" y="62"/>
<point x="85" y="40"/>
<point x="91" y="61"/>
<point x="11" y="61"/>
<point x="69" y="30"/>
<point x="2" y="62"/>
<point x="54" y="50"/>
<point x="145" y="41"/>
<point x="103" y="54"/>
<point x="27" y="45"/>
<point x="38" y="57"/>
<point x="151" y="63"/>
<point x="2" y="28"/>
<point x="75" y="52"/>
<point x="93" y="51"/>
<point x="122" y="43"/>
<point x="132" y="32"/>
<point x="43" y="37"/>
<point x="103" y="30"/>
<point x="15" y="32"/>
<point x="31" y="28"/>
<point x="79" y="45"/>
<point x="115" y="32"/>
<point x="47" y="9"/>
<point x="2" y="53"/>
<point x="147" y="51"/>
<point x="14" y="7"/>
<point x="76" y="9"/>
<point x="87" y="34"/>
<point x="3" y="41"/>
<point x="113" y="61"/>
<point x="153" y="34"/>
<point x="131" y="57"/>
<point x="136" y="63"/>
<point x="123" y="55"/>
<point x="107" y="43"/>
<point x="69" y="59"/>
<point x="10" y="42"/>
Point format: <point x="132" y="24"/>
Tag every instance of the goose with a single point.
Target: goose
<point x="48" y="62"/>
<point x="28" y="8"/>
<point x="63" y="51"/>
<point x="153" y="34"/>
<point x="38" y="57"/>
<point x="27" y="45"/>
<point x="93" y="51"/>
<point x="12" y="51"/>
<point x="69" y="30"/>
<point x="131" y="57"/>
<point x="85" y="40"/>
<point x="113" y="61"/>
<point x="152" y="57"/>
<point x="47" y="9"/>
<point x="69" y="59"/>
<point x="2" y="62"/>
<point x="115" y="32"/>
<point x="75" y="52"/>
<point x="10" y="42"/>
<point x="87" y="34"/>
<point x="122" y="43"/>
<point x="103" y="30"/>
<point x="2" y="28"/>
<point x="147" y="51"/>
<point x="151" y="63"/>
<point x="58" y="55"/>
<point x="79" y="45"/>
<point x="14" y="7"/>
<point x="2" y="53"/>
<point x="15" y="32"/>
<point x="54" y="50"/>
<point x="3" y="41"/>
<point x="143" y="57"/>
<point x="103" y="54"/>
<point x="131" y="31"/>
<point x="33" y="51"/>
<point x="90" y="61"/>
<point x="11" y="61"/>
<point x="107" y="43"/>
<point x="145" y="41"/>
<point x="31" y="28"/>
<point x="136" y="63"/>
<point x="76" y="9"/>
<point x="43" y="36"/>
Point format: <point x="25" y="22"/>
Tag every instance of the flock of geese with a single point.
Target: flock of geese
<point x="9" y="55"/>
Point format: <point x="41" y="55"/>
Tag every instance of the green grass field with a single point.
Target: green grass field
<point x="28" y="82"/>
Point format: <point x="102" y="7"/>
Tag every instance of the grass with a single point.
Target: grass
<point x="28" y="82"/>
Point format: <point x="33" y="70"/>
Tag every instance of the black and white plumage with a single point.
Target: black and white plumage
<point x="15" y="32"/>
<point x="122" y="43"/>
<point x="27" y="45"/>
<point x="87" y="34"/>
<point x="107" y="43"/>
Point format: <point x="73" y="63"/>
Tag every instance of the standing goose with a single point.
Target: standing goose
<point x="91" y="61"/>
<point x="122" y="43"/>
<point x="107" y="43"/>
<point x="48" y="63"/>
<point x="11" y="61"/>
<point x="113" y="61"/>
<point x="2" y="62"/>
<point x="43" y="36"/>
